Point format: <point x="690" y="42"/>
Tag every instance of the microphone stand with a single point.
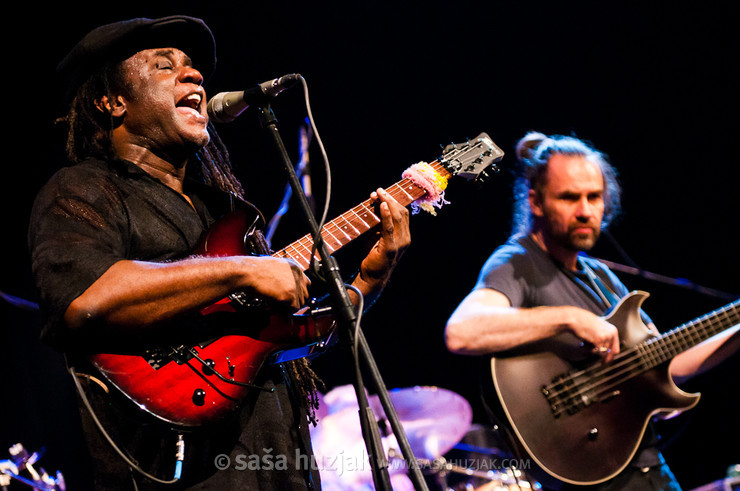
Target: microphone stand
<point x="347" y="319"/>
<point x="632" y="268"/>
<point x="303" y="173"/>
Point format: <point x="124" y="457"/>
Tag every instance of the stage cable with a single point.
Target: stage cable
<point x="179" y="446"/>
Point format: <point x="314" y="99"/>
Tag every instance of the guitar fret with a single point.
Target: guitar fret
<point x="368" y="213"/>
<point x="354" y="229"/>
<point x="306" y="252"/>
<point x="667" y="351"/>
<point x="656" y="353"/>
<point x="646" y="356"/>
<point x="411" y="187"/>
<point x="334" y="231"/>
<point x="347" y="233"/>
<point x="296" y="255"/>
<point x="329" y="246"/>
<point x="731" y="317"/>
<point x="367" y="226"/>
<point x="302" y="255"/>
<point x="332" y="236"/>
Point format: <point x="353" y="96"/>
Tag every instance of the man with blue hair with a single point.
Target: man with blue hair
<point x="540" y="288"/>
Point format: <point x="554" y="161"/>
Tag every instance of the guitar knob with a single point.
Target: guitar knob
<point x="208" y="367"/>
<point x="199" y="397"/>
<point x="593" y="433"/>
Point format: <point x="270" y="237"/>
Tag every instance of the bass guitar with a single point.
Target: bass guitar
<point x="583" y="424"/>
<point x="193" y="384"/>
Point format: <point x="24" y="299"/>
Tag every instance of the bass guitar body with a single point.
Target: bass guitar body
<point x="583" y="426"/>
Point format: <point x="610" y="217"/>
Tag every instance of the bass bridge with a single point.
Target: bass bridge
<point x="571" y="393"/>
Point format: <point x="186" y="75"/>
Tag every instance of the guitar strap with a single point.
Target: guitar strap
<point x="604" y="293"/>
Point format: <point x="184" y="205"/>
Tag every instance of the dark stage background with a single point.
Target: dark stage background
<point x="652" y="84"/>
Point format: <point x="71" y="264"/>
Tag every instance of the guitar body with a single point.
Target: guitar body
<point x="181" y="390"/>
<point x="599" y="439"/>
<point x="188" y="394"/>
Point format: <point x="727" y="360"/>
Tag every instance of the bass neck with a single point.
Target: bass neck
<point x="665" y="347"/>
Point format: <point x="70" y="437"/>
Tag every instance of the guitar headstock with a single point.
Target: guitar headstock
<point x="470" y="159"/>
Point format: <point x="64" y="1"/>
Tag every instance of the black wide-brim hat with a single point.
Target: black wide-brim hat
<point x="115" y="42"/>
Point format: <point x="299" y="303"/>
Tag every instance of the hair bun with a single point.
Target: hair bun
<point x="528" y="145"/>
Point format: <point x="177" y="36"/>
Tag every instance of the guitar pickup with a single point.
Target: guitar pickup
<point x="241" y="300"/>
<point x="161" y="356"/>
<point x="236" y="302"/>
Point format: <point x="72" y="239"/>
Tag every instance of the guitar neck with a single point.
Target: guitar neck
<point x="666" y="347"/>
<point x="353" y="223"/>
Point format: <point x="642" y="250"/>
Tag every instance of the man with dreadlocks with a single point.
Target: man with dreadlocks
<point x="111" y="239"/>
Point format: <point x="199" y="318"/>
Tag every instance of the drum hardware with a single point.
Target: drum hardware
<point x="434" y="420"/>
<point x="22" y="462"/>
<point x="508" y="479"/>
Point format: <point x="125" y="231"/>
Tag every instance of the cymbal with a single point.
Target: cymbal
<point x="340" y="450"/>
<point x="434" y="419"/>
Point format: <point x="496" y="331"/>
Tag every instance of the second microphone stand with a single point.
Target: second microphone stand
<point x="350" y="333"/>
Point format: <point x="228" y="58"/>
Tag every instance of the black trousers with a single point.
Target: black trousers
<point x="265" y="445"/>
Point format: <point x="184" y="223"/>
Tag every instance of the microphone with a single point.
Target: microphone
<point x="224" y="107"/>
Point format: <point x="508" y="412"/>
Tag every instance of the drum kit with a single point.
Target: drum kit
<point x="453" y="453"/>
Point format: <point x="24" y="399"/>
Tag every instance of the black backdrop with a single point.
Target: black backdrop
<point x="652" y="84"/>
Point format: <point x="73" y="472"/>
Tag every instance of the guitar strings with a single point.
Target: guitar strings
<point x="640" y="352"/>
<point x="658" y="344"/>
<point x="626" y="357"/>
<point x="333" y="229"/>
<point x="578" y="393"/>
<point x="681" y="330"/>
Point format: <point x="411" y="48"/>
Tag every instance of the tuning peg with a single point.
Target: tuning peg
<point x="485" y="175"/>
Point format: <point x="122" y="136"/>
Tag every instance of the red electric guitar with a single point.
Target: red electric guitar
<point x="193" y="384"/>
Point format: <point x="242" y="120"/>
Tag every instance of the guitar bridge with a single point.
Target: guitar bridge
<point x="564" y="396"/>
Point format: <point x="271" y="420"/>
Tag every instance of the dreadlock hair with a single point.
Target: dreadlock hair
<point x="89" y="133"/>
<point x="88" y="128"/>
<point x="533" y="152"/>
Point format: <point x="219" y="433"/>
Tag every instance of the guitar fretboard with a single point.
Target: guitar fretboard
<point x="353" y="223"/>
<point x="664" y="348"/>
